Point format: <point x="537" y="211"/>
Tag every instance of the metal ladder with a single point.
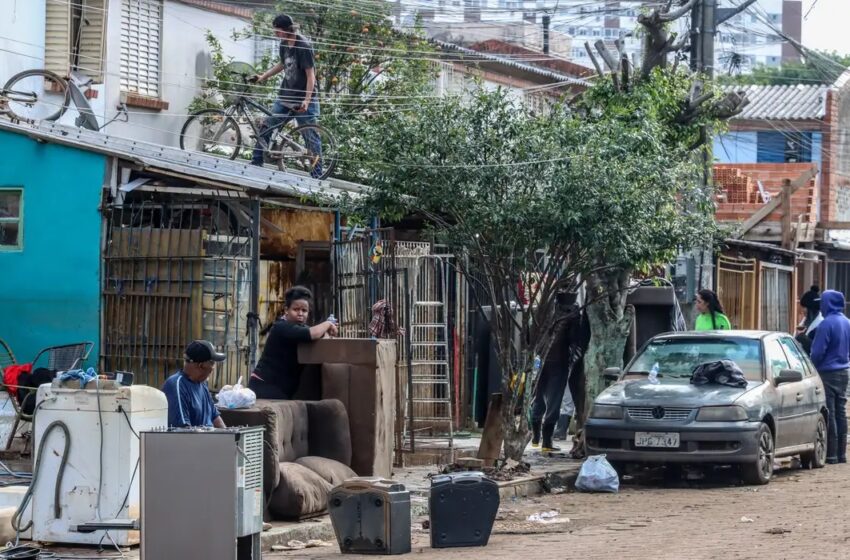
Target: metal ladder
<point x="430" y="354"/>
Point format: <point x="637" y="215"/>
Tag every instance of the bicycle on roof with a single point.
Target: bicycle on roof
<point x="309" y="147"/>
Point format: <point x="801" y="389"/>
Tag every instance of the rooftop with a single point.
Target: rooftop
<point x="204" y="168"/>
<point x="787" y="102"/>
<point x="522" y="54"/>
<point x="463" y="53"/>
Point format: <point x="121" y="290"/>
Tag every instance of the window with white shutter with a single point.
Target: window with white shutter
<point x="74" y="37"/>
<point x="141" y="34"/>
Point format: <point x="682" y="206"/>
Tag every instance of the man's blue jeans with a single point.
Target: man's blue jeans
<point x="281" y="114"/>
<point x="835" y="386"/>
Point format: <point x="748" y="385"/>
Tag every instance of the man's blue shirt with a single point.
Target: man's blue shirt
<point x="189" y="403"/>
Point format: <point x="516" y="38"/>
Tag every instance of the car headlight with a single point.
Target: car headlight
<point x="721" y="414"/>
<point x="607" y="411"/>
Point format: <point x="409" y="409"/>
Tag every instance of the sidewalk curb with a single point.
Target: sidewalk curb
<point x="320" y="529"/>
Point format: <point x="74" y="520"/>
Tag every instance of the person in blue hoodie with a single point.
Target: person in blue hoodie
<point x="831" y="356"/>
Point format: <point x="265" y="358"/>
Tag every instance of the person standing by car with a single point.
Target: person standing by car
<point x="711" y="317"/>
<point x="298" y="97"/>
<point x="811" y="303"/>
<point x="831" y="356"/>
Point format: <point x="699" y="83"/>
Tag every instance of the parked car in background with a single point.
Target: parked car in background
<point x="780" y="412"/>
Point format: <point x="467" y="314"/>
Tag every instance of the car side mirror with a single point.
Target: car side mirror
<point x="611" y="374"/>
<point x="789" y="376"/>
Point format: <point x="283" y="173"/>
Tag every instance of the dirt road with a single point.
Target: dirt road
<point x="800" y="514"/>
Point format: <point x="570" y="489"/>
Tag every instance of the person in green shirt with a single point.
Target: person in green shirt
<point x="711" y="317"/>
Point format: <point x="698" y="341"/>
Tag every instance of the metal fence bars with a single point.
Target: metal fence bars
<point x="176" y="269"/>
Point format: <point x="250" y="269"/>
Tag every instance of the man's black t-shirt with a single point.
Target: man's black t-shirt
<point x="296" y="60"/>
<point x="279" y="363"/>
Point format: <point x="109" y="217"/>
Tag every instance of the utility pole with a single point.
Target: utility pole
<point x="706" y="17"/>
<point x="709" y="29"/>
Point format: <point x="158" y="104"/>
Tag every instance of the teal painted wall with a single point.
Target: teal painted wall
<point x="50" y="290"/>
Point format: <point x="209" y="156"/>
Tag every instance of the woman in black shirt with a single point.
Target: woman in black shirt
<point x="278" y="373"/>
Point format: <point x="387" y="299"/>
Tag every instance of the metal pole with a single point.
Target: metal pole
<point x="546" y="21"/>
<point x="709" y="28"/>
<point x="254" y="317"/>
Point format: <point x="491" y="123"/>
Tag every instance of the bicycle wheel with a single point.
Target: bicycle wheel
<point x="36" y="95"/>
<point x="308" y="148"/>
<point x="211" y="132"/>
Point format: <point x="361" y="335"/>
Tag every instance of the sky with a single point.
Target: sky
<point x="828" y="25"/>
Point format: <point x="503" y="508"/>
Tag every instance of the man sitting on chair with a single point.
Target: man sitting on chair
<point x="189" y="400"/>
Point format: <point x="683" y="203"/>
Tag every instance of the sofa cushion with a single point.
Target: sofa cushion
<point x="332" y="471"/>
<point x="292" y="429"/>
<point x="329" y="434"/>
<point x="299" y="493"/>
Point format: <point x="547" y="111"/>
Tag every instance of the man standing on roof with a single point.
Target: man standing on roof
<point x="831" y="356"/>
<point x="298" y="97"/>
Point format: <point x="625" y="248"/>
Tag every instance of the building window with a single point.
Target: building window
<point x="141" y="32"/>
<point x="11" y="216"/>
<point x="73" y="38"/>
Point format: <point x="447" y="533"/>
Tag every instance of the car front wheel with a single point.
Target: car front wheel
<point x="760" y="470"/>
<point x="816" y="459"/>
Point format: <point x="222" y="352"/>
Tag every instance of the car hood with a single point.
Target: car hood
<point x="640" y="392"/>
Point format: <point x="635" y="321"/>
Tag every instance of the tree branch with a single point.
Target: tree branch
<point x="676" y="14"/>
<point x="593" y="58"/>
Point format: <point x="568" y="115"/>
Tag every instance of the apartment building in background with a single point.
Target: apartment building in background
<point x="743" y="42"/>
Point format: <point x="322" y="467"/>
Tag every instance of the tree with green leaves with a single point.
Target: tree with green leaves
<point x="817" y="67"/>
<point x="539" y="204"/>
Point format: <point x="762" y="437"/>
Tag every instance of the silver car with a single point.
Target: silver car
<point x="781" y="412"/>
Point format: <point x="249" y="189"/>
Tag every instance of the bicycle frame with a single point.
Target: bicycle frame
<point x="239" y="108"/>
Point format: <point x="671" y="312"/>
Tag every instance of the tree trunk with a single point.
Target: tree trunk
<point x="514" y="413"/>
<point x="610" y="324"/>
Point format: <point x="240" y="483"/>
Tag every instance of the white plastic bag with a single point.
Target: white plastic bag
<point x="597" y="475"/>
<point x="236" y="396"/>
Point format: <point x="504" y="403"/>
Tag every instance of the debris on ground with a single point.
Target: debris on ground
<point x="548" y="517"/>
<point x="745" y="519"/>
<point x="509" y="471"/>
<point x="777" y="531"/>
<point x="557" y="483"/>
<point x="299" y="545"/>
<point x="426" y="524"/>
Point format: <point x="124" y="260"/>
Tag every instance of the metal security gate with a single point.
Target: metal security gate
<point x="777" y="288"/>
<point x="176" y="270"/>
<point x="736" y="288"/>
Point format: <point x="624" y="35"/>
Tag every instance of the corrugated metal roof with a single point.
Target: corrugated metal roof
<point x="205" y="168"/>
<point x="466" y="53"/>
<point x="791" y="102"/>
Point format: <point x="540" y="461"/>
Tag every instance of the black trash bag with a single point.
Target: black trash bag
<point x="721" y="372"/>
<point x="28" y="385"/>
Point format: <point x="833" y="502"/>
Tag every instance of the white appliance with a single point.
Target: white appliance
<point x="146" y="408"/>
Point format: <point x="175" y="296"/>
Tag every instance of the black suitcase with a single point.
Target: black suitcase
<point x="463" y="509"/>
<point x="371" y="516"/>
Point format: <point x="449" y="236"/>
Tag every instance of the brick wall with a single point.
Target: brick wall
<point x="739" y="197"/>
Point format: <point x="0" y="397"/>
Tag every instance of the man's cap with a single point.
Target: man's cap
<point x="200" y="351"/>
<point x="283" y="21"/>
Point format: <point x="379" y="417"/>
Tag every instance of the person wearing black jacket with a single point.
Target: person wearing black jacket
<point x="811" y="303"/>
<point x="567" y="350"/>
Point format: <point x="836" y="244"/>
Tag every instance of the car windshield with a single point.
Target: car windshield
<point x="677" y="357"/>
